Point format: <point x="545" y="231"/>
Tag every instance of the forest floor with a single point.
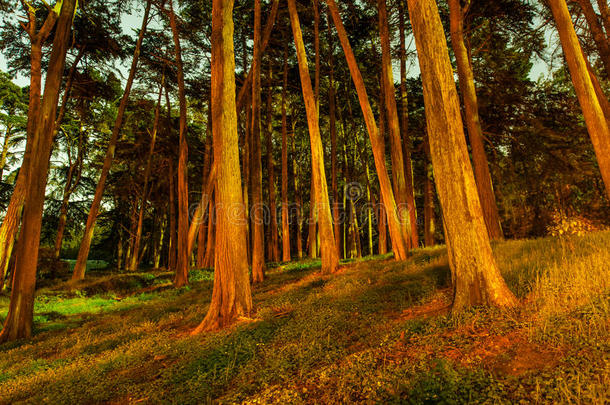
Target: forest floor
<point x="379" y="331"/>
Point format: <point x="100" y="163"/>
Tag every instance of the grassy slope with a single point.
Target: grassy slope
<point x="377" y="332"/>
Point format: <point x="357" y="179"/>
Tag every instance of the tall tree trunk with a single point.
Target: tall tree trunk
<point x="591" y="108"/>
<point x="398" y="242"/>
<point x="477" y="277"/>
<point x="208" y="259"/>
<point x="298" y="198"/>
<point x="258" y="221"/>
<point x="285" y="220"/>
<point x="207" y="168"/>
<point x="597" y="33"/>
<point x="5" y="143"/>
<point x="172" y="218"/>
<point x="85" y="245"/>
<point x="274" y="246"/>
<point x="404" y="126"/>
<point x="18" y="323"/>
<point x="398" y="165"/>
<point x="473" y="123"/>
<point x="182" y="253"/>
<point x="327" y="239"/>
<point x="133" y="265"/>
<point x="231" y="297"/>
<point x="428" y="199"/>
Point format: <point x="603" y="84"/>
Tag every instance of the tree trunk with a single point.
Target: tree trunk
<point x="377" y="144"/>
<point x="83" y="252"/>
<point x="18" y="323"/>
<point x="285" y="220"/>
<point x="274" y="246"/>
<point x="428" y="199"/>
<point x="327" y="239"/>
<point x="298" y="198"/>
<point x="597" y="33"/>
<point x="398" y="165"/>
<point x="256" y="176"/>
<point x="208" y="259"/>
<point x="7" y="138"/>
<point x="207" y="168"/>
<point x="404" y="126"/>
<point x="473" y="123"/>
<point x="231" y="297"/>
<point x="477" y="277"/>
<point x="172" y="218"/>
<point x="133" y="265"/>
<point x="182" y="253"/>
<point x="591" y="108"/>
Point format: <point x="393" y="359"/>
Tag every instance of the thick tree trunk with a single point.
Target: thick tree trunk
<point x="18" y="323"/>
<point x="398" y="165"/>
<point x="285" y="220"/>
<point x="83" y="252"/>
<point x="133" y="265"/>
<point x="182" y="252"/>
<point x="330" y="259"/>
<point x="231" y="297"/>
<point x="591" y="108"/>
<point x="256" y="175"/>
<point x="597" y="33"/>
<point x="274" y="244"/>
<point x="473" y="123"/>
<point x="398" y="242"/>
<point x="477" y="277"/>
<point x="404" y="126"/>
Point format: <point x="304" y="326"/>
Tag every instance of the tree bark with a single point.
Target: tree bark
<point x="473" y="122"/>
<point x="429" y="228"/>
<point x="18" y="323"/>
<point x="256" y="177"/>
<point x="328" y="249"/>
<point x="285" y="220"/>
<point x="274" y="246"/>
<point x="182" y="252"/>
<point x="477" y="277"/>
<point x="377" y="143"/>
<point x="83" y="252"/>
<point x="231" y="296"/>
<point x="591" y="108"/>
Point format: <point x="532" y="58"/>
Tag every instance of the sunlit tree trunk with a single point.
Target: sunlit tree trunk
<point x="85" y="245"/>
<point x="182" y="252"/>
<point x="396" y="150"/>
<point x="591" y="108"/>
<point x="398" y="242"/>
<point x="404" y="126"/>
<point x="133" y="265"/>
<point x="327" y="239"/>
<point x="256" y="176"/>
<point x="477" y="277"/>
<point x="231" y="297"/>
<point x="473" y="123"/>
<point x="18" y="323"/>
<point x="285" y="220"/>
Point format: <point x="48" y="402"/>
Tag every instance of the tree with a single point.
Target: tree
<point x="476" y="276"/>
<point x="231" y="296"/>
<point x="473" y="123"/>
<point x="398" y="242"/>
<point x="591" y="108"/>
<point x="322" y="206"/>
<point x="20" y="316"/>
<point x="85" y="245"/>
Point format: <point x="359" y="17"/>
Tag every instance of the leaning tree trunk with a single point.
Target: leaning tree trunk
<point x="404" y="127"/>
<point x="398" y="165"/>
<point x="182" y="253"/>
<point x="231" y="297"/>
<point x="330" y="259"/>
<point x="597" y="33"/>
<point x="477" y="277"/>
<point x="591" y="108"/>
<point x="18" y="323"/>
<point x="398" y="242"/>
<point x="473" y="123"/>
<point x="85" y="245"/>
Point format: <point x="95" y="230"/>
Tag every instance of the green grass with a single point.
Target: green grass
<point x="376" y="332"/>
